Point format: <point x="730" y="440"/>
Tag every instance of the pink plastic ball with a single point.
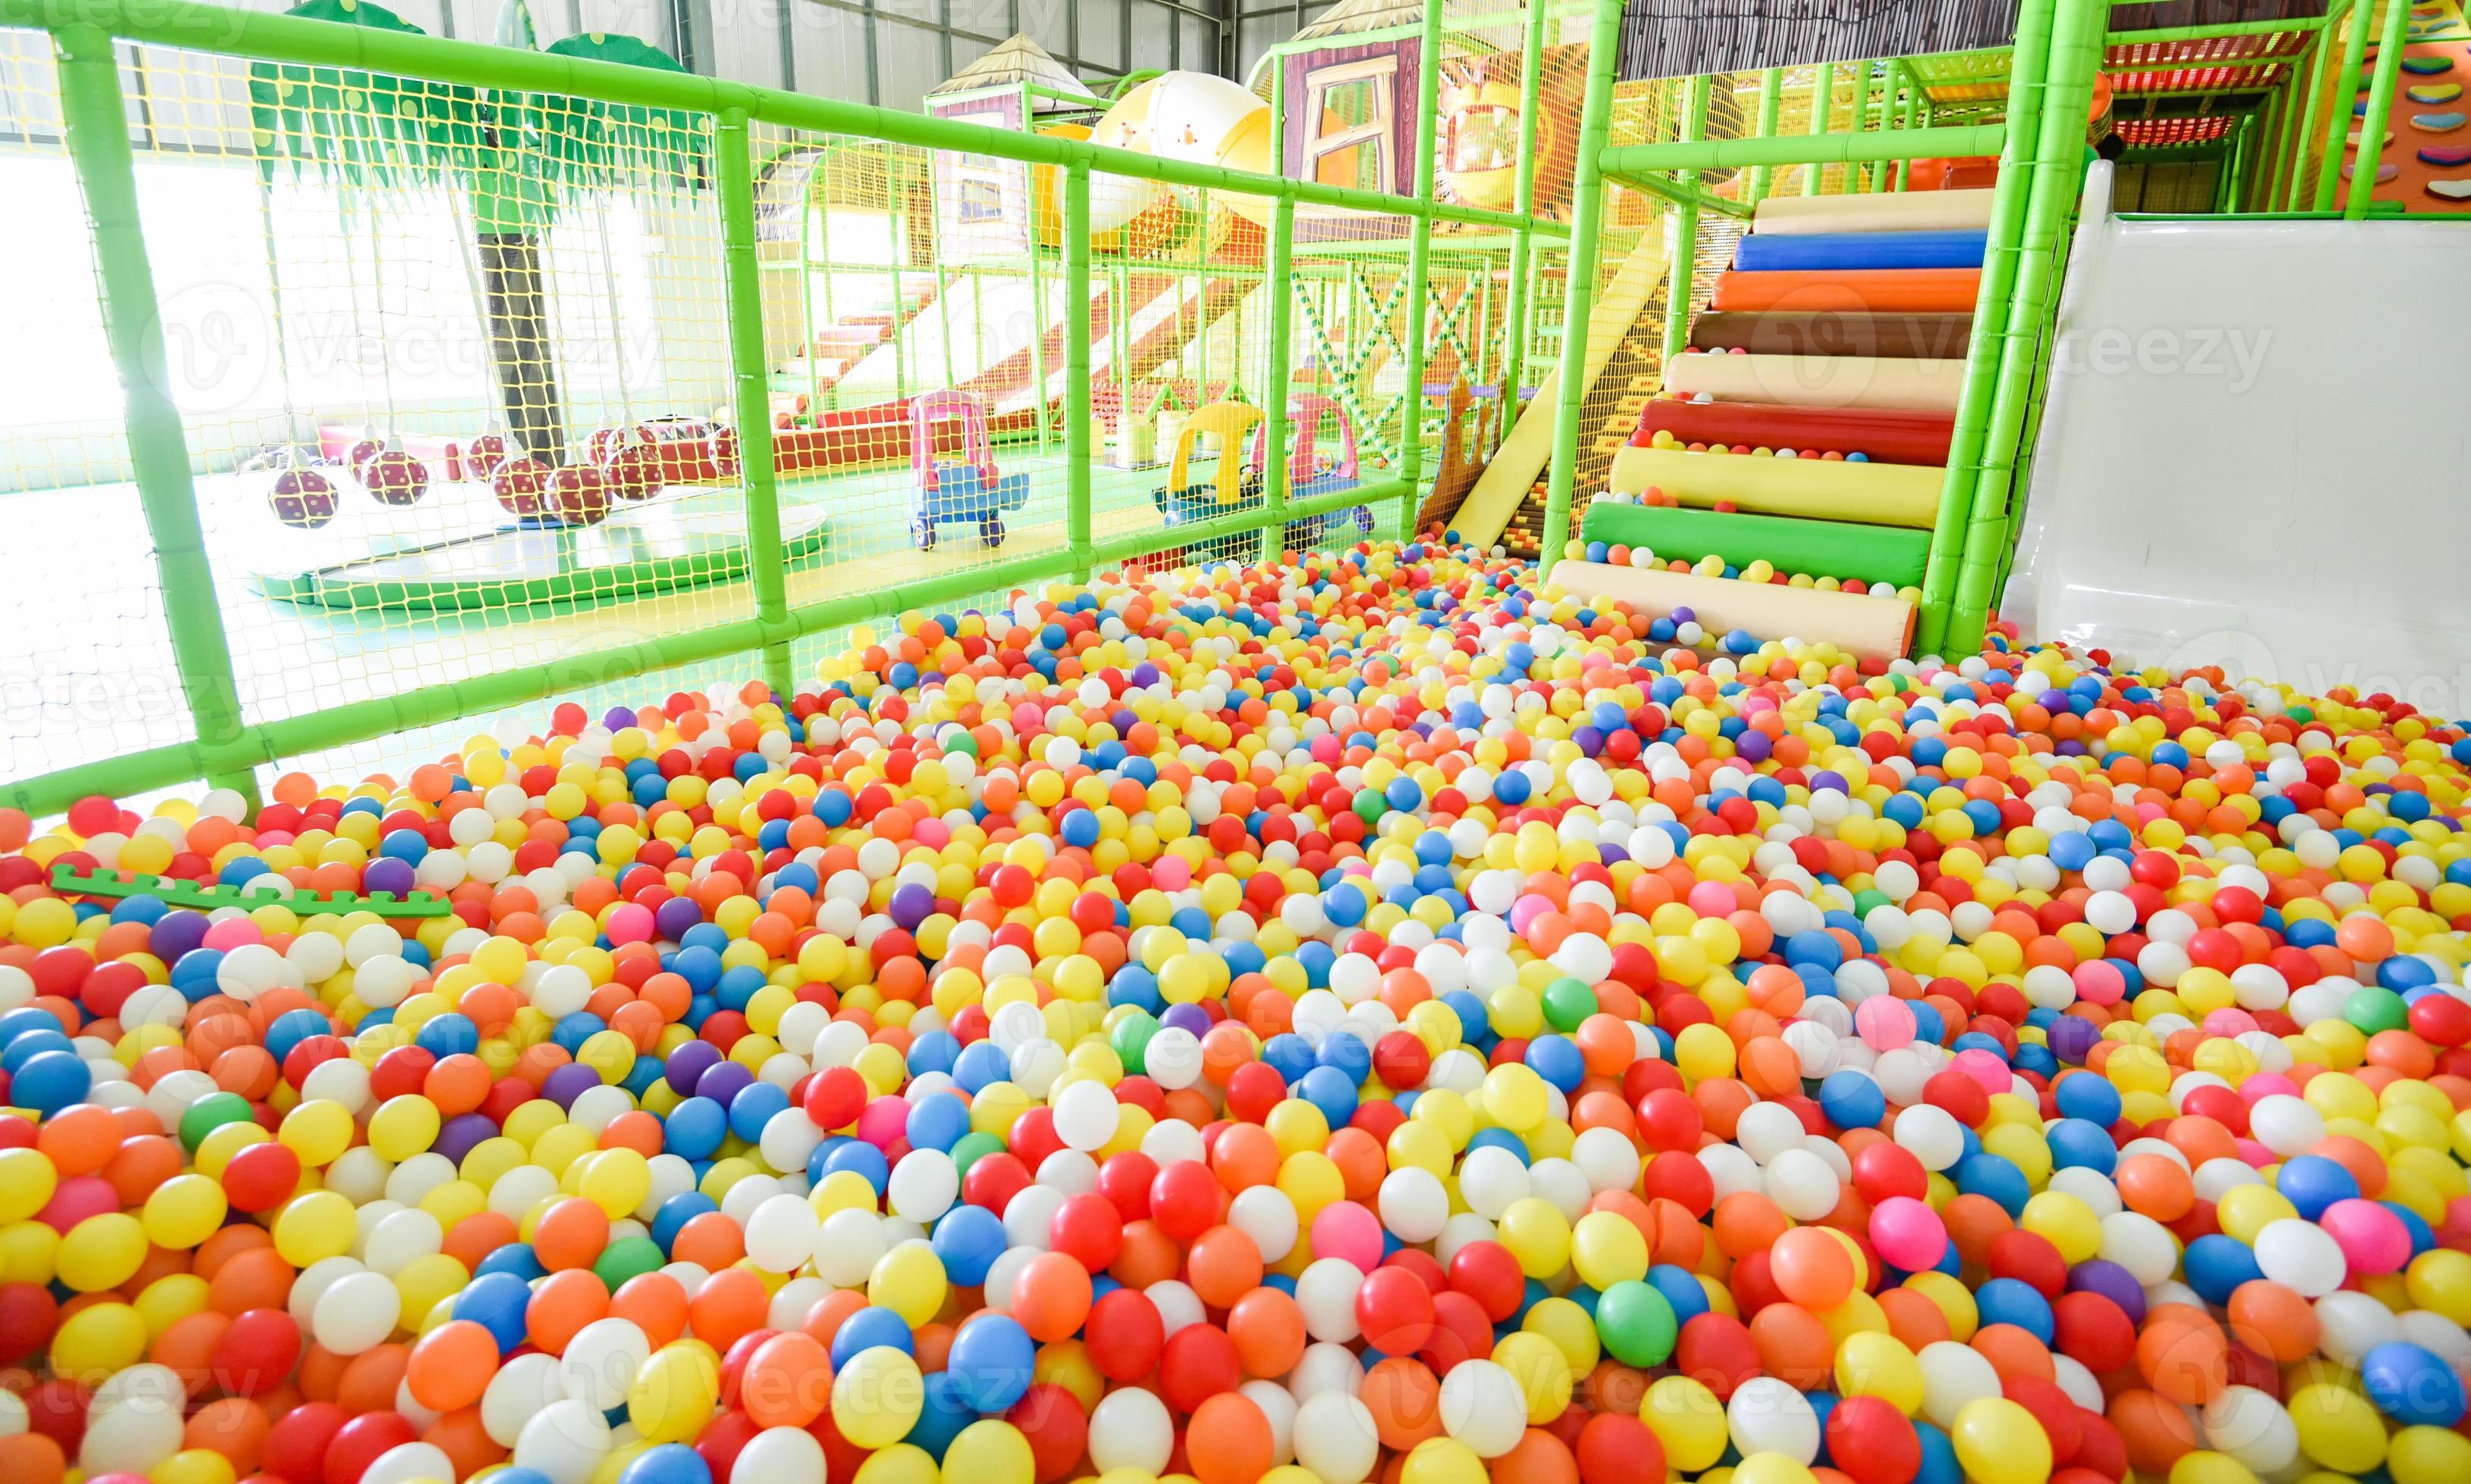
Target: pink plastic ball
<point x="629" y="923"/>
<point x="2373" y="1239"/>
<point x="884" y="1120"/>
<point x="1350" y="1232"/>
<point x="1885" y="1023"/>
<point x="1908" y="1233"/>
<point x="1986" y="1068"/>
<point x="233" y="932"/>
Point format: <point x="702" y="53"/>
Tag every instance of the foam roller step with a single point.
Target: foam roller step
<point x="1907" y="211"/>
<point x="1858" y="251"/>
<point x="1823" y="549"/>
<point x="1784" y="333"/>
<point x="1835" y="383"/>
<point x="1886" y="438"/>
<point x="1864" y="626"/>
<point x="1946" y="290"/>
<point x="1878" y="494"/>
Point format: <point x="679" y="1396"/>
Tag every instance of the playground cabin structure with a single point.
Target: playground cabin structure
<point x="462" y="375"/>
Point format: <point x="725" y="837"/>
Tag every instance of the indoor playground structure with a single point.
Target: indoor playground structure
<point x="1595" y="742"/>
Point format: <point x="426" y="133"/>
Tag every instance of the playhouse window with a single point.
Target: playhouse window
<point x="1350" y="107"/>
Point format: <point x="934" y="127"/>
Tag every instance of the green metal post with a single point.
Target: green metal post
<point x="1771" y="100"/>
<point x="1037" y="343"/>
<point x="1077" y="538"/>
<point x="2372" y="127"/>
<point x="2059" y="173"/>
<point x="748" y="370"/>
<point x="1420" y="263"/>
<point x="1278" y="258"/>
<point x="1686" y="227"/>
<point x="2227" y="179"/>
<point x="1860" y="123"/>
<point x="2269" y="147"/>
<point x="96" y="123"/>
<point x="1520" y="315"/>
<point x="1823" y="103"/>
<point x="1579" y="293"/>
<point x="1982" y="355"/>
<point x="1912" y="120"/>
<point x="2346" y="88"/>
<point x="2303" y="123"/>
<point x="935" y="265"/>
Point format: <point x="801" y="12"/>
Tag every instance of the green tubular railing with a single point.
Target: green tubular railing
<point x="227" y="746"/>
<point x="2058" y="45"/>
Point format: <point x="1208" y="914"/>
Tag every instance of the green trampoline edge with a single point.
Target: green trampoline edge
<point x="588" y="586"/>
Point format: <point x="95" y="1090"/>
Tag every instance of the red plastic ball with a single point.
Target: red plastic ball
<point x="1486" y="1272"/>
<point x="1394" y="1310"/>
<point x="1123" y="1335"/>
<point x="1873" y="1442"/>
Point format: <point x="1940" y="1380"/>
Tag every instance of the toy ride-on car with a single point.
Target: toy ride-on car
<point x="968" y="489"/>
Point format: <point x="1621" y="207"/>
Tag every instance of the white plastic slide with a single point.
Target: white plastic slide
<point x="1512" y="472"/>
<point x="2254" y="453"/>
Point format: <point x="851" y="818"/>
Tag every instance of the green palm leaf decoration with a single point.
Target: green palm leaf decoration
<point x="363" y="128"/>
<point x="586" y="145"/>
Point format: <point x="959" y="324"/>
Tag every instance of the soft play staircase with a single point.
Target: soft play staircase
<point x="851" y="337"/>
<point x="1839" y="334"/>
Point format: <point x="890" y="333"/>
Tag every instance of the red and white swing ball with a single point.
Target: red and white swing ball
<point x="633" y="471"/>
<point x="303" y="499"/>
<point x="518" y="483"/>
<point x="632" y="460"/>
<point x="393" y="477"/>
<point x="578" y="495"/>
<point x="484" y="454"/>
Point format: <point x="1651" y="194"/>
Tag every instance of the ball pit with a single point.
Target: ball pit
<point x="1375" y="1019"/>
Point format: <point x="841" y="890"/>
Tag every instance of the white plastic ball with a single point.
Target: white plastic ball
<point x="1335" y="1436"/>
<point x="1130" y="1428"/>
<point x="1482" y="1406"/>
<point x="1326" y="1293"/>
<point x="565" y="1441"/>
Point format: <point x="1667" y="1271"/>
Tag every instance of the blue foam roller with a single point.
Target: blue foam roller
<point x="1761" y="252"/>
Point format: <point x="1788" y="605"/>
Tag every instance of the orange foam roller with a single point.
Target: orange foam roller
<point x="1945" y="291"/>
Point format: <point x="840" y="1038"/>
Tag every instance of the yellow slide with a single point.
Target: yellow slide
<point x="1529" y="443"/>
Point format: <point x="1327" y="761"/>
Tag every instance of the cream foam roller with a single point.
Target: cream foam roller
<point x="1886" y="384"/>
<point x="1865" y="626"/>
<point x="1905" y="211"/>
<point x="1874" y="494"/>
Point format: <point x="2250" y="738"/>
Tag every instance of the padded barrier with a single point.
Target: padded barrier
<point x="1924" y="337"/>
<point x="1879" y="494"/>
<point x="1881" y="383"/>
<point x="1901" y="211"/>
<point x="1823" y="549"/>
<point x="1865" y="626"/>
<point x="1943" y="290"/>
<point x="1887" y="437"/>
<point x="1856" y="252"/>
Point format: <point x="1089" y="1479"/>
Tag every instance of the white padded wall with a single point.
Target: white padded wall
<point x="2257" y="452"/>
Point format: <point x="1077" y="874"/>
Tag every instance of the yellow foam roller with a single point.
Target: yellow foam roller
<point x="1886" y="384"/>
<point x="1866" y="626"/>
<point x="1905" y="211"/>
<point x="1876" y="494"/>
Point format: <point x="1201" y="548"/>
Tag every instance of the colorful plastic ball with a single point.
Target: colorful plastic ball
<point x="2413" y="1385"/>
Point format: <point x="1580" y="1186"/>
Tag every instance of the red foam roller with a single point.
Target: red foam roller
<point x="1887" y="437"/>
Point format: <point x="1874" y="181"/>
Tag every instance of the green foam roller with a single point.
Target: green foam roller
<point x="1823" y="549"/>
